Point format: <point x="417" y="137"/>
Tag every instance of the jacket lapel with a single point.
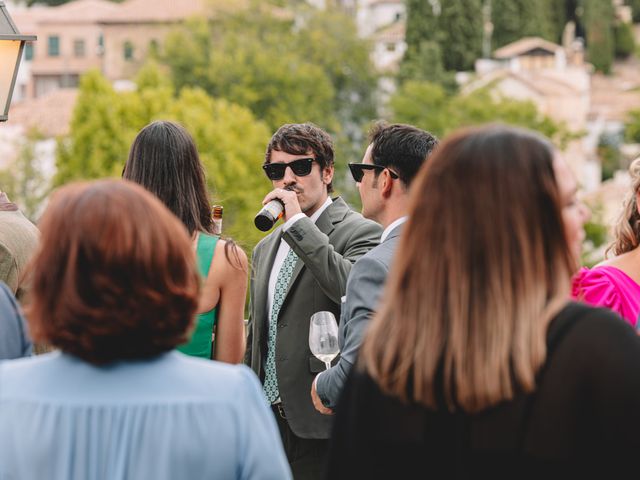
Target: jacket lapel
<point x="333" y="214"/>
<point x="262" y="283"/>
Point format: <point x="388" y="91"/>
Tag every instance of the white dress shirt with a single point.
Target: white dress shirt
<point x="284" y="248"/>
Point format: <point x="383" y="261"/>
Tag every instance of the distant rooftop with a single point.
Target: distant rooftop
<point x="153" y="11"/>
<point x="49" y="114"/>
<point x="524" y="45"/>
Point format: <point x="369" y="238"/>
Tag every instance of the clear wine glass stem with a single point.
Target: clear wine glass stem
<point x="328" y="365"/>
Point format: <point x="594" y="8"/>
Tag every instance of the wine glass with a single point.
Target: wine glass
<point x="323" y="337"/>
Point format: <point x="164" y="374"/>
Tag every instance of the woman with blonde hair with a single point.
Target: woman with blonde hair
<point x="477" y="365"/>
<point x="615" y="282"/>
<point x="163" y="158"/>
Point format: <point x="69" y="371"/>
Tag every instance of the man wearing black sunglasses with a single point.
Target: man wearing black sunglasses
<point x="299" y="269"/>
<point x="392" y="160"/>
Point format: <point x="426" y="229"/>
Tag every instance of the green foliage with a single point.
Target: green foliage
<point x="425" y="64"/>
<point x="632" y="127"/>
<point x="428" y="106"/>
<point x="556" y="12"/>
<point x="635" y="8"/>
<point x="230" y="140"/>
<point x="598" y="24"/>
<point x="23" y="179"/>
<point x="455" y="26"/>
<point x="596" y="237"/>
<point x="624" y="40"/>
<point x="514" y="19"/>
<point x="97" y="146"/>
<point x="609" y="153"/>
<point x="317" y="71"/>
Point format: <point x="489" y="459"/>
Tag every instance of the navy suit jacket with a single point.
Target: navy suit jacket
<point x="364" y="286"/>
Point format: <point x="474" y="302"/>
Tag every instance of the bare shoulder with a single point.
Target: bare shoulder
<point x="230" y="258"/>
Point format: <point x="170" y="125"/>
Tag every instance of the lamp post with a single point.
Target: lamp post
<point x="11" y="46"/>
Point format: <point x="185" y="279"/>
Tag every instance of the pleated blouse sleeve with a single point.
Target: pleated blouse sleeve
<point x="608" y="287"/>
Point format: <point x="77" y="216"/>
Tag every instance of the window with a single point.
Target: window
<point x="100" y="49"/>
<point x="28" y="51"/>
<point x="78" y="48"/>
<point x="154" y="48"/>
<point x="128" y="50"/>
<point x="53" y="46"/>
<point x="391" y="47"/>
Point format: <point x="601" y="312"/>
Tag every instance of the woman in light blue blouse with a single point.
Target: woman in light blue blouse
<point x="115" y="288"/>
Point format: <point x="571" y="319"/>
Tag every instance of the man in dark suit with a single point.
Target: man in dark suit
<point x="297" y="270"/>
<point x="393" y="158"/>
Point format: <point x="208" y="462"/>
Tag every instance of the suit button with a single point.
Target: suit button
<point x="282" y="325"/>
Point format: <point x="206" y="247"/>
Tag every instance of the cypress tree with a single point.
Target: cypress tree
<point x="460" y="28"/>
<point x="514" y="19"/>
<point x="598" y="24"/>
<point x="455" y="26"/>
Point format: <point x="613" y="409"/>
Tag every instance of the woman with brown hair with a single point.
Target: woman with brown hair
<point x="615" y="282"/>
<point x="114" y="287"/>
<point x="477" y="364"/>
<point x="164" y="159"/>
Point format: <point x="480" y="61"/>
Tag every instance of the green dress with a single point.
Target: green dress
<point x="200" y="344"/>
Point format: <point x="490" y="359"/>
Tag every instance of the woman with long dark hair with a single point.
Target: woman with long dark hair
<point x="163" y="158"/>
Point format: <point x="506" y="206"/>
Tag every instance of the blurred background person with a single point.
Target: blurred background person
<point x="164" y="159"/>
<point x="14" y="341"/>
<point x="115" y="288"/>
<point x="615" y="282"/>
<point x="18" y="241"/>
<point x="477" y="364"/>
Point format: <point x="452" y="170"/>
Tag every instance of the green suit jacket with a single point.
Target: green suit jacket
<point x="326" y="251"/>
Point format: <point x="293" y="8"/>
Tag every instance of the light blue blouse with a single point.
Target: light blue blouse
<point x="172" y="417"/>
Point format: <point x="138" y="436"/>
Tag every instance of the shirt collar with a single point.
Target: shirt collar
<point x="317" y="213"/>
<point x="393" y="225"/>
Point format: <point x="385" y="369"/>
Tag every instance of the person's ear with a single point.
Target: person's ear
<point x="327" y="174"/>
<point x="385" y="184"/>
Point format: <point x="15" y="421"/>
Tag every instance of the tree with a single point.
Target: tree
<point x="317" y="70"/>
<point x="454" y="25"/>
<point x="306" y="66"/>
<point x="97" y="144"/>
<point x="24" y="179"/>
<point x="425" y="64"/>
<point x="598" y="20"/>
<point x="231" y="141"/>
<point x="461" y="34"/>
<point x="514" y="19"/>
<point x="632" y="127"/>
<point x="635" y="8"/>
<point x="428" y="106"/>
<point x="624" y="40"/>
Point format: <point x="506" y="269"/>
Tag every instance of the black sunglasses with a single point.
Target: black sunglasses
<point x="300" y="167"/>
<point x="357" y="170"/>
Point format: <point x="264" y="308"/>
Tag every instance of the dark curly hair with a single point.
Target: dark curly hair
<point x="301" y="139"/>
<point x="114" y="277"/>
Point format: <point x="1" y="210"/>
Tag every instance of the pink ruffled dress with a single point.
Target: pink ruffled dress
<point x="608" y="287"/>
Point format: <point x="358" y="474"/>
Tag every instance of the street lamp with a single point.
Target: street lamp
<point x="11" y="46"/>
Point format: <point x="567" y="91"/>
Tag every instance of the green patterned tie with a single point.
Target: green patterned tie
<point x="282" y="282"/>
